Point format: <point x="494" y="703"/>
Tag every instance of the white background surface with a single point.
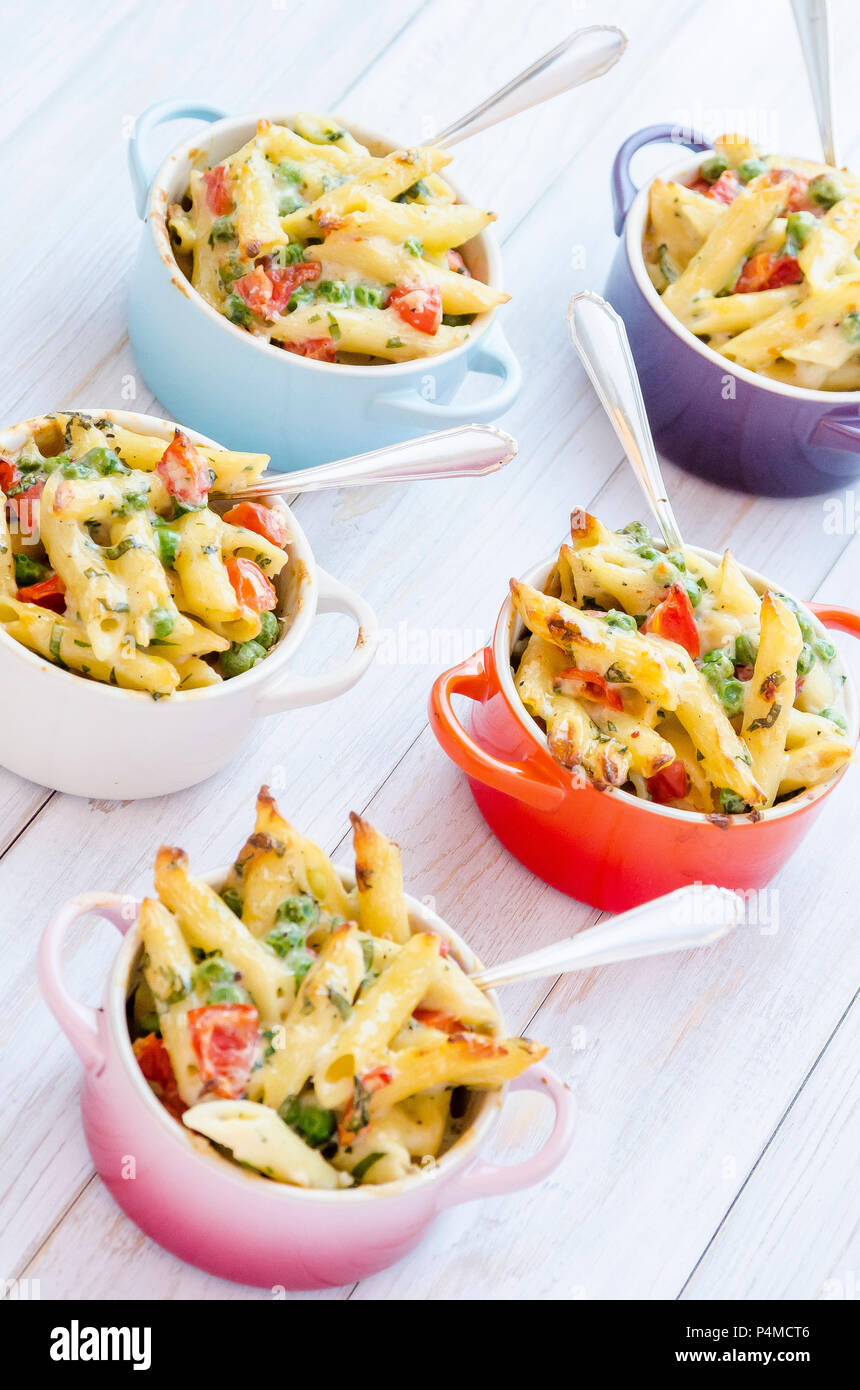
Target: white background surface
<point x="716" y="1150"/>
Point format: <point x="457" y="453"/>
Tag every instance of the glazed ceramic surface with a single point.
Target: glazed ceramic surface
<point x="232" y="1222"/>
<point x="81" y="736"/>
<point x="254" y="396"/>
<point x="710" y="416"/>
<point x="608" y="848"/>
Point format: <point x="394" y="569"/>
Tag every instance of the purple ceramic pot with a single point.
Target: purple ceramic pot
<point x="709" y="415"/>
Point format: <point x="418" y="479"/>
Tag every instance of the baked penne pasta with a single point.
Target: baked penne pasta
<point x="757" y="256"/>
<point x="309" y="241"/>
<point x="125" y="572"/>
<point x="672" y="677"/>
<point x="320" y="1049"/>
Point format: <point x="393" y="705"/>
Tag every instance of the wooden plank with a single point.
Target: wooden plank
<point x="435" y="559"/>
<point x="792" y="1232"/>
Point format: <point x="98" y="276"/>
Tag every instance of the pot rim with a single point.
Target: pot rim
<point x="259" y="675"/>
<point x="634" y="229"/>
<point x="157" y="202"/>
<point x="463" y="1149"/>
<point x="509" y="626"/>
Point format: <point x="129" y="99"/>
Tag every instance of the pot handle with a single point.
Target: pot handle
<point x="294" y="691"/>
<point x="624" y="190"/>
<point x="539" y="782"/>
<point x="78" y="1021"/>
<point x="142" y="168"/>
<point x="492" y="357"/>
<point x="832" y="615"/>
<point x="484" y="1179"/>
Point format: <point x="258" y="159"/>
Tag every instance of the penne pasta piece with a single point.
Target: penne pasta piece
<point x="459" y="1060"/>
<point x="325" y="997"/>
<point x="255" y="1135"/>
<point x="379" y="880"/>
<point x="208" y="923"/>
<point x="378" y="1015"/>
<point x="767" y="711"/>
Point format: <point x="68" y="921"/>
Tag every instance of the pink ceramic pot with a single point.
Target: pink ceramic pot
<point x="231" y="1222"/>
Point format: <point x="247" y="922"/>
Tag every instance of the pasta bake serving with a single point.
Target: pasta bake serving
<point x="310" y="242"/>
<point x="303" y="1028"/>
<point x="672" y="677"/>
<point x="757" y="257"/>
<point x="115" y="566"/>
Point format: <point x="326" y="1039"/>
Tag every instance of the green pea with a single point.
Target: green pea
<point x="161" y="620"/>
<point x="731" y="695"/>
<point x="807" y="631"/>
<point x="694" y="593"/>
<point x="28" y="571"/>
<point x="824" y="650"/>
<point x="76" y="468"/>
<point x="746" y="650"/>
<point x="237" y="310"/>
<point x="315" y="1125"/>
<point x="167" y="541"/>
<point x="299" y="962"/>
<point x="825" y="190"/>
<point x="712" y="167"/>
<point x="289" y="255"/>
<point x="806" y="660"/>
<point x="799" y="227"/>
<point x="286" y="171"/>
<point x="285" y="938"/>
<point x="413" y="246"/>
<point x="835" y="718"/>
<point x="646" y="552"/>
<point x="214" y="970"/>
<point x="233" y="270"/>
<point x="718" y="666"/>
<point x="104" y="461"/>
<point x="614" y="618"/>
<point x="676" y="558"/>
<point x="269" y="630"/>
<point x="227" y="994"/>
<point x="335" y="291"/>
<point x="664" y="572"/>
<point x="850" y="326"/>
<point x="289" y="202"/>
<point x="750" y="169"/>
<point x="730" y="802"/>
<point x="240" y="658"/>
<point x="300" y="909"/>
<point x="638" y="531"/>
<point x="222" y="229"/>
<point x="232" y="898"/>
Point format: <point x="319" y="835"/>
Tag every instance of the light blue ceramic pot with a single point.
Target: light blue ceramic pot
<point x="248" y="395"/>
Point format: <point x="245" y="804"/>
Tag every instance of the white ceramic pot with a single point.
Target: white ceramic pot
<point x="80" y="736"/>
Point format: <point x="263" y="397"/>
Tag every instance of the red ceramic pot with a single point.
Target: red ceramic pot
<point x="608" y="848"/>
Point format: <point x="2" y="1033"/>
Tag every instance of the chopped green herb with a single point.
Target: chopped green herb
<point x="232" y="898"/>
<point x="730" y="802"/>
<point x="364" y="1164"/>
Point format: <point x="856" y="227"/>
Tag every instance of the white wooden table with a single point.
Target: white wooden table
<point x="716" y="1147"/>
